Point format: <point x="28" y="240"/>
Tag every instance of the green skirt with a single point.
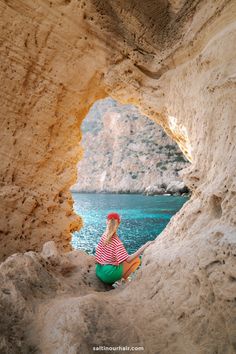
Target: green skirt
<point x="109" y="273"/>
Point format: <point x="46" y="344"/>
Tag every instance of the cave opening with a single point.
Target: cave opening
<point x="129" y="165"/>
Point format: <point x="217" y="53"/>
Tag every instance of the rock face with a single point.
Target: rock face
<point x="30" y="284"/>
<point x="126" y="152"/>
<point x="175" y="60"/>
<point x="53" y="303"/>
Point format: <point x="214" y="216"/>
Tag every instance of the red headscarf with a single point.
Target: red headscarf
<point x="113" y="216"/>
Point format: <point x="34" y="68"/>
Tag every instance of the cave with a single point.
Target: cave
<point x="175" y="61"/>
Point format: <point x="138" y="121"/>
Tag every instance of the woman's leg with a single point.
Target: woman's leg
<point x="130" y="267"/>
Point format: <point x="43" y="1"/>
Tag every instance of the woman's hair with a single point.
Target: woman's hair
<point x="112" y="226"/>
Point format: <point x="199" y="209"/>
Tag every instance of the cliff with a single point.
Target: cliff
<point x="175" y="60"/>
<point x="125" y="152"/>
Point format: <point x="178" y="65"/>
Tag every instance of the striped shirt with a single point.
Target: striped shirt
<point x="113" y="252"/>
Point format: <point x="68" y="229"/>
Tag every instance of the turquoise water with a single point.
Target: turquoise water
<point x="142" y="217"/>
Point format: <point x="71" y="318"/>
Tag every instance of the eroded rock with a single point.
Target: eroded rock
<point x="174" y="60"/>
<point x="31" y="281"/>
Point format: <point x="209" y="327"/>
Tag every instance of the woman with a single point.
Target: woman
<point x="112" y="260"/>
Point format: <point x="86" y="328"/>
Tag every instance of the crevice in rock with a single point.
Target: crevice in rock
<point x="215" y="205"/>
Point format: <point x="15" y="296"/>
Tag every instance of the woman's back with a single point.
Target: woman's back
<point x="112" y="260"/>
<point x="112" y="252"/>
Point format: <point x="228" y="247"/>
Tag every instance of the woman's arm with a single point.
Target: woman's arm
<point x="139" y="251"/>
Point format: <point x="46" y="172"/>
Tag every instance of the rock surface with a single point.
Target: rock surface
<point x="53" y="303"/>
<point x="175" y="60"/>
<point x="30" y="284"/>
<point x="125" y="152"/>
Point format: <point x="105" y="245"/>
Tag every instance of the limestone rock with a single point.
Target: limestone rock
<point x="174" y="60"/>
<point x="49" y="250"/>
<point x="125" y="151"/>
<point x="31" y="282"/>
<point x="156" y="189"/>
<point x="176" y="187"/>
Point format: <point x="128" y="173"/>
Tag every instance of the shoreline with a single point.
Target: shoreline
<point x="134" y="193"/>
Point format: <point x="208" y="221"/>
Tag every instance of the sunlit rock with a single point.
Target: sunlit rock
<point x="171" y="59"/>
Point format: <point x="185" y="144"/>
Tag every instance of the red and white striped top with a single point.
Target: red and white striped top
<point x="113" y="252"/>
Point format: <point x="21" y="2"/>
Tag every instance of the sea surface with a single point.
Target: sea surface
<point x="142" y="217"/>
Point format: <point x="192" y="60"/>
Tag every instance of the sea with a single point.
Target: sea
<point x="142" y="217"/>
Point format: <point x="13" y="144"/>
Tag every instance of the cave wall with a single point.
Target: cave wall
<point x="171" y="59"/>
<point x="175" y="60"/>
<point x="49" y="80"/>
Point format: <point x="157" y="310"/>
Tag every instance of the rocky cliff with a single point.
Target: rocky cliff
<point x="173" y="59"/>
<point x="126" y="152"/>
